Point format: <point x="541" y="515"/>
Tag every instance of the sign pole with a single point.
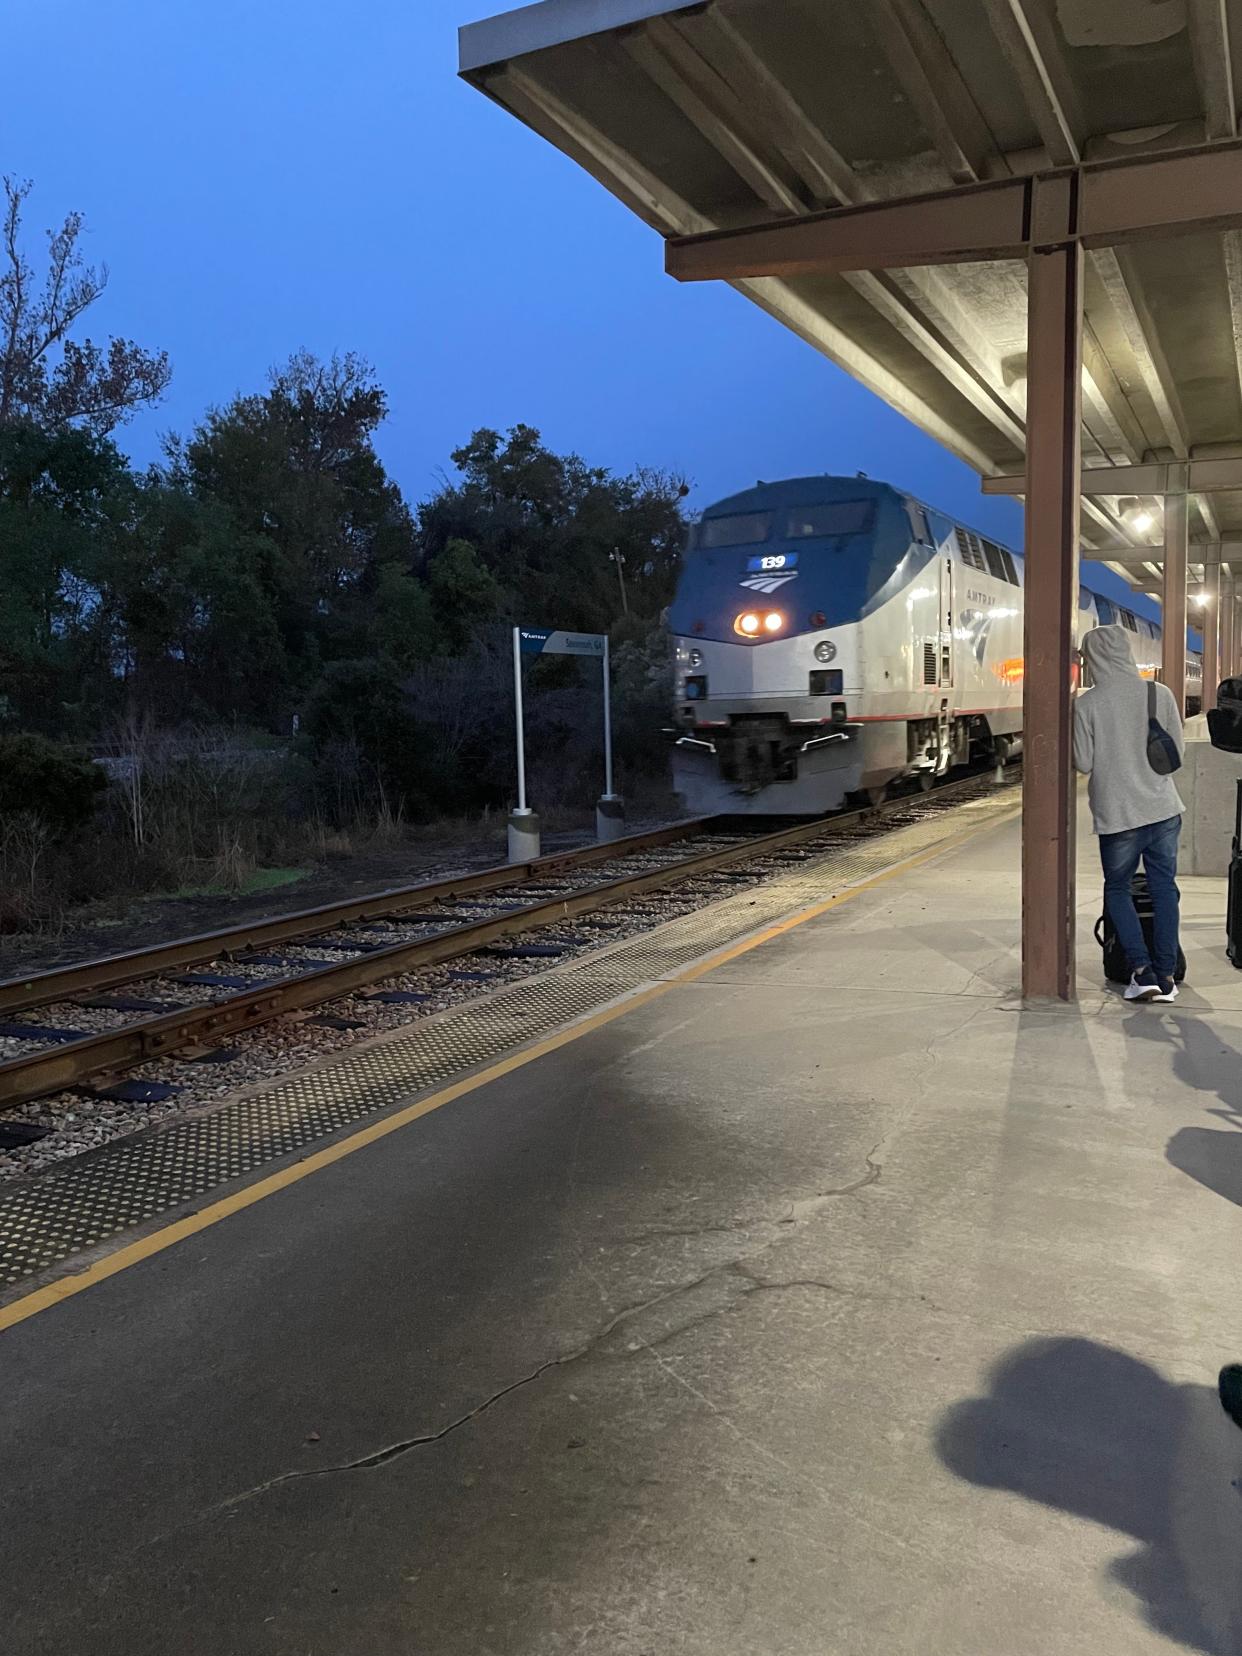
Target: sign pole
<point x="607" y="724"/>
<point x="517" y="702"/>
<point x="523" y="823"/>
<point x="610" y="811"/>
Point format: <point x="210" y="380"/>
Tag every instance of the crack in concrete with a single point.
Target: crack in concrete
<point x="644" y="1346"/>
<point x="658" y="1235"/>
<point x="811" y="1205"/>
<point x="380" y="1457"/>
<point x="799" y="1211"/>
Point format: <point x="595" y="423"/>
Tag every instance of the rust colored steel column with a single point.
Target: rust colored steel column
<point x="1224" y="648"/>
<point x="1211" y="633"/>
<point x="1173" y="602"/>
<point x="1054" y="374"/>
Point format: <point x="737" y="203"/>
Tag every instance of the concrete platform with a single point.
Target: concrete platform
<point x="827" y="1305"/>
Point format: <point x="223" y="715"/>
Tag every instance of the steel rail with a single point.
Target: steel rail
<point x="64" y="983"/>
<point x="108" y="1053"/>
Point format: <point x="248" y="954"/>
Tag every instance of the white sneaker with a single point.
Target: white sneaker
<point x="1169" y="994"/>
<point x="1144" y="986"/>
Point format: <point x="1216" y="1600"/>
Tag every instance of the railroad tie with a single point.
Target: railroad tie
<point x="41" y="1032"/>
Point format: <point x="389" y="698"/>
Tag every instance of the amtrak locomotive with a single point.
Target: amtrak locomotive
<point x="834" y="635"/>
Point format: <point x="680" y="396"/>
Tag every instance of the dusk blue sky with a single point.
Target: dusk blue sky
<point x="263" y="176"/>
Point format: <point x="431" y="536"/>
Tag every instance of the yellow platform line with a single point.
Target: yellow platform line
<point x="132" y="1253"/>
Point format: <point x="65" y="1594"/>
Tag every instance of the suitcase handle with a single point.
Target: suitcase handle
<point x="1099" y="930"/>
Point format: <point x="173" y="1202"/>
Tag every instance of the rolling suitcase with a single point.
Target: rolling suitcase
<point x="1233" y="911"/>
<point x="1116" y="967"/>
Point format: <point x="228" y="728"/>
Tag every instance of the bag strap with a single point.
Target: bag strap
<point x="1151" y="701"/>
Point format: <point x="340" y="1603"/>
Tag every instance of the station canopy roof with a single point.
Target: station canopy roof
<point x="738" y="113"/>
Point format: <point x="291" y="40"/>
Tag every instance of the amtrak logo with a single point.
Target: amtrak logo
<point x="975" y="629"/>
<point x="768" y="583"/>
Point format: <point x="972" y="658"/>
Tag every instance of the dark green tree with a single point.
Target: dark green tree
<point x="181" y="626"/>
<point x="64" y="494"/>
<point x="559" y="536"/>
<point x="297" y="467"/>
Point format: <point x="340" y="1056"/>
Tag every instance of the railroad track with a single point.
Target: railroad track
<point x="192" y="994"/>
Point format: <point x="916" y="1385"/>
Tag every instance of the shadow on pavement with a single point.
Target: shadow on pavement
<point x="1203" y="1060"/>
<point x="1088" y="1430"/>
<point x="1212" y="1155"/>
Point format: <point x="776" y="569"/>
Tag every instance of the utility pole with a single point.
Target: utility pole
<point x="618" y="557"/>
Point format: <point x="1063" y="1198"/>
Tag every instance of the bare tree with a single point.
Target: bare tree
<point x="44" y="375"/>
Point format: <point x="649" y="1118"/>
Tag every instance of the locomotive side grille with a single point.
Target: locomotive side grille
<point x="972" y="550"/>
<point x="929" y="662"/>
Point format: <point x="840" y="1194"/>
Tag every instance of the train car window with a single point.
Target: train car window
<point x="972" y="551"/>
<point x="834" y="517"/>
<point x="918" y="522"/>
<point x="1105" y="609"/>
<point x="1127" y="620"/>
<point x="1000" y="564"/>
<point x="739" y="529"/>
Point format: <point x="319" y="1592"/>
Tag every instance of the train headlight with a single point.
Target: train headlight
<point x="773" y="621"/>
<point x="825" y="650"/>
<point x="748" y="624"/>
<point x="695" y="658"/>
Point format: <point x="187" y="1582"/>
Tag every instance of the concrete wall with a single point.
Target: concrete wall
<point x="1207" y="783"/>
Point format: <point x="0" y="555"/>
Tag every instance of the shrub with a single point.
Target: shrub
<point x="367" y="747"/>
<point x="40" y="779"/>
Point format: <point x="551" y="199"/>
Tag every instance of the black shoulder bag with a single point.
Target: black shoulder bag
<point x="1162" y="754"/>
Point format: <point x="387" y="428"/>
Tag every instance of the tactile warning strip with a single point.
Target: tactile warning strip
<point x="85" y="1202"/>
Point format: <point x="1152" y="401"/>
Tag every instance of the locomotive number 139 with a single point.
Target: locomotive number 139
<point x="766" y="563"/>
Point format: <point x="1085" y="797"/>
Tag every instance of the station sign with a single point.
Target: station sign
<point x="545" y="641"/>
<point x="541" y="641"/>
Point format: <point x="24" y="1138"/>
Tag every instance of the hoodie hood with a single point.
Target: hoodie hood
<point x="1108" y="655"/>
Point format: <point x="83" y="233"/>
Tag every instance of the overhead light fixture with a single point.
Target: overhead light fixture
<point x="1141" y="519"/>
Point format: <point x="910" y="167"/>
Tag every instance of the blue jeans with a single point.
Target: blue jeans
<point x="1156" y="846"/>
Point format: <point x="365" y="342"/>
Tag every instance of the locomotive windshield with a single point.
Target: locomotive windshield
<point x="739" y="529"/>
<point x="820" y="521"/>
<point x="834" y="517"/>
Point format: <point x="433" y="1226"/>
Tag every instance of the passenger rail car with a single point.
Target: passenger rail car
<point x="833" y="635"/>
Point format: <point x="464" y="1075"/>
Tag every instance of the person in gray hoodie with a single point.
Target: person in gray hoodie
<point x="1136" y="812"/>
